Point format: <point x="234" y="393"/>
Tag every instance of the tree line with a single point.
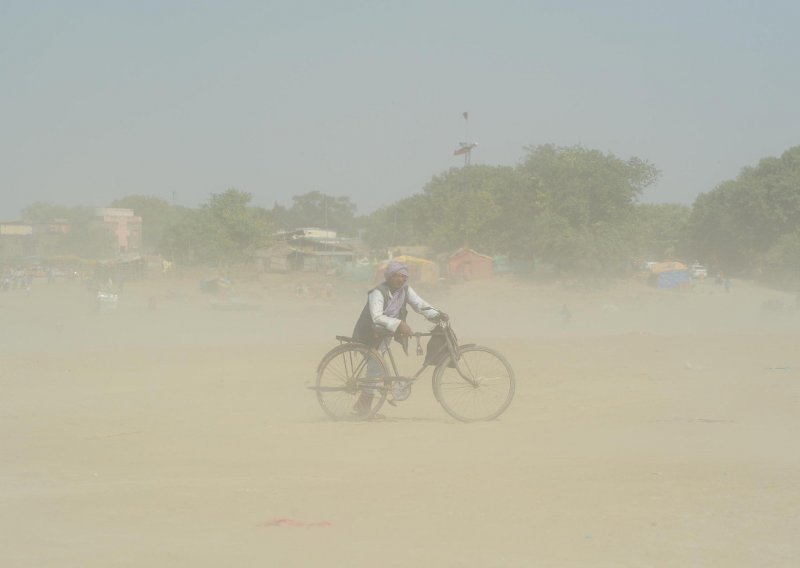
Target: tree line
<point x="574" y="208"/>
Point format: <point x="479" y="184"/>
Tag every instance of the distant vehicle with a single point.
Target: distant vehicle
<point x="698" y="271"/>
<point x="106" y="301"/>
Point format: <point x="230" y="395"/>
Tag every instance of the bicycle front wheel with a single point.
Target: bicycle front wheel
<point x="350" y="382"/>
<point x="480" y="386"/>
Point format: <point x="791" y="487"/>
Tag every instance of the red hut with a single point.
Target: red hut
<point x="469" y="264"/>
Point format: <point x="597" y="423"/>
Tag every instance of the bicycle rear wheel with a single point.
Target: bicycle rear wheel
<point x="350" y="384"/>
<point x="479" y="387"/>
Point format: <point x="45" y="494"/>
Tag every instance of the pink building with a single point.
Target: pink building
<point x="123" y="225"/>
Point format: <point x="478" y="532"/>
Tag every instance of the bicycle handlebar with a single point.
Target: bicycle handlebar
<point x="441" y="323"/>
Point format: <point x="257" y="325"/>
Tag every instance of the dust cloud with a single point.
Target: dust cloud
<point x="649" y="428"/>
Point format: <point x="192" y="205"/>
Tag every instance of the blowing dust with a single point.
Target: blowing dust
<point x="648" y="428"/>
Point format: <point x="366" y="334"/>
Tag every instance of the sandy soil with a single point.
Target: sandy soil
<point x="653" y="429"/>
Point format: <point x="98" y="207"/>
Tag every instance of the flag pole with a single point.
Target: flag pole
<point x="465" y="114"/>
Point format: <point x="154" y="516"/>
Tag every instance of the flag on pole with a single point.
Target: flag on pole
<point x="465" y="114"/>
<point x="464" y="148"/>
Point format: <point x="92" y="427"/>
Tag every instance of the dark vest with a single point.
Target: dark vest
<point x="364" y="331"/>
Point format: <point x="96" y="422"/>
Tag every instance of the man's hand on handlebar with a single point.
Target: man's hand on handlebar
<point x="404" y="330"/>
<point x="441" y="317"/>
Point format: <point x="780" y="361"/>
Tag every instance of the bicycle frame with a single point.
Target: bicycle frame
<point x="451" y="353"/>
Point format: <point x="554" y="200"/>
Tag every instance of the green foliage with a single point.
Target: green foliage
<point x="400" y="223"/>
<point x="570" y="207"/>
<point x="41" y="212"/>
<point x="740" y="221"/>
<point x="459" y="207"/>
<point x="88" y="241"/>
<point x="463" y="207"/>
<point x="316" y="209"/>
<point x="223" y="231"/>
<point x="782" y="262"/>
<point x="660" y="231"/>
<point x="580" y="206"/>
<point x="83" y="238"/>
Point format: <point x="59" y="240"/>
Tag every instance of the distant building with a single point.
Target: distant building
<point x="16" y="228"/>
<point x="310" y="233"/>
<point x="16" y="239"/>
<point x="310" y="250"/>
<point x="470" y="265"/>
<point x="124" y="226"/>
<point x="57" y="227"/>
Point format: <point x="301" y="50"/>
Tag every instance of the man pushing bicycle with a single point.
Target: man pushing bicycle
<point x="384" y="318"/>
<point x="470" y="381"/>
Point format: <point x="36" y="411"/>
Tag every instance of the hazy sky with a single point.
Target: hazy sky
<point x="104" y="99"/>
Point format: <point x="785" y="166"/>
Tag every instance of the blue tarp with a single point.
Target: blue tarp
<point x="672" y="279"/>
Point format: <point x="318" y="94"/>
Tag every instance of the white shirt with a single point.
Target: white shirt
<point x="376" y="308"/>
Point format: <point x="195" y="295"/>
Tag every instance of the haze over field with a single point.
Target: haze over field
<point x="650" y="429"/>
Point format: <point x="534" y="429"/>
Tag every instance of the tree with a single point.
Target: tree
<point x="224" y="230"/>
<point x="456" y="208"/>
<point x="782" y="262"/>
<point x="464" y="207"/>
<point x="661" y="230"/>
<point x="83" y="238"/>
<point x="740" y="221"/>
<point x="316" y="209"/>
<point x="41" y="212"/>
<point x="574" y="207"/>
<point x="403" y="222"/>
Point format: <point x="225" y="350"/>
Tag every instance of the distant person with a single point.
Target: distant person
<point x="728" y="285"/>
<point x="27" y="282"/>
<point x="384" y="317"/>
<point x="566" y="316"/>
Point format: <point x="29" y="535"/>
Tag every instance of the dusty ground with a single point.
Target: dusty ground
<point x="653" y="429"/>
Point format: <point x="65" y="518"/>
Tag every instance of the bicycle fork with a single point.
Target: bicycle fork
<point x="458" y="362"/>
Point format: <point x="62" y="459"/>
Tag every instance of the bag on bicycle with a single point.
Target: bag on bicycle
<point x="436" y="348"/>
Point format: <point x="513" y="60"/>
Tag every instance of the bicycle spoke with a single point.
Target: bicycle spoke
<point x="341" y="388"/>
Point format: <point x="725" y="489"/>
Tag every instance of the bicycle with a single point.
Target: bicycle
<point x="471" y="382"/>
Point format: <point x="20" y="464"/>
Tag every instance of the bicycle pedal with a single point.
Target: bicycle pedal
<point x="393" y="403"/>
